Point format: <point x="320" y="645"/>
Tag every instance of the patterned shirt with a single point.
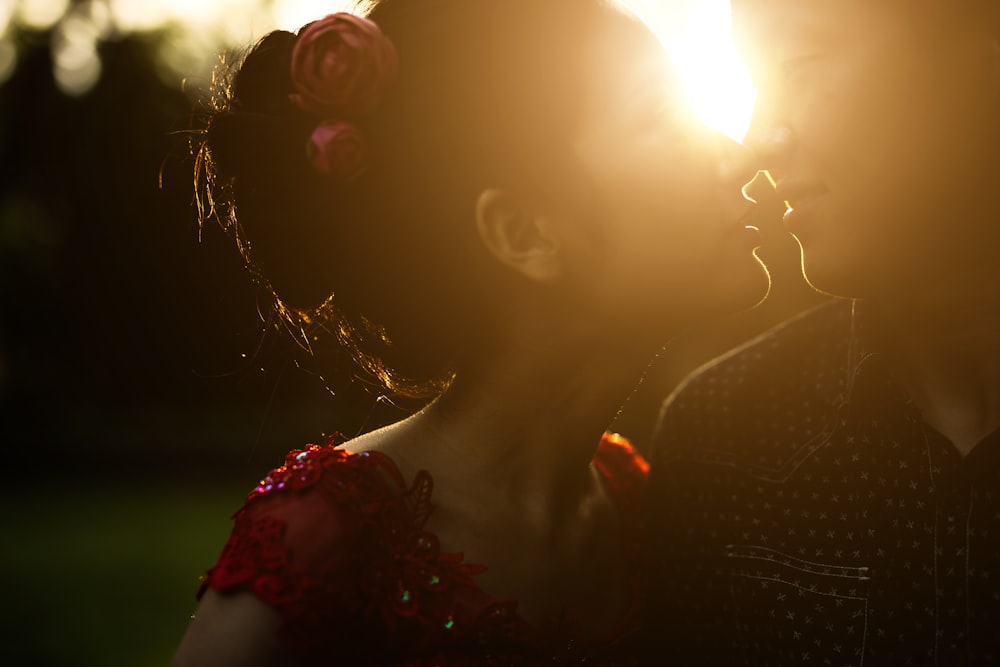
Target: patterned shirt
<point x="803" y="513"/>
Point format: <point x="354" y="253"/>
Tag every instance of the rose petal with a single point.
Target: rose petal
<point x="341" y="66"/>
<point x="339" y="150"/>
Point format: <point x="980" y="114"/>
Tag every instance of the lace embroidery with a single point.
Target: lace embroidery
<point x="392" y="586"/>
<point x="396" y="573"/>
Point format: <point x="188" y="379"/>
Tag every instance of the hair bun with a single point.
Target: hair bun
<point x="261" y="161"/>
<point x="241" y="141"/>
<point x="264" y="81"/>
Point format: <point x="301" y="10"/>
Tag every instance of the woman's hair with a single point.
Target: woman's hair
<point x="486" y="95"/>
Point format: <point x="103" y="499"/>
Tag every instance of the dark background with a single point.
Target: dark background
<point x="140" y="394"/>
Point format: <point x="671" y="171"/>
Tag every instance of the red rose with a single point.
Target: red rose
<point x="341" y="66"/>
<point x="338" y="149"/>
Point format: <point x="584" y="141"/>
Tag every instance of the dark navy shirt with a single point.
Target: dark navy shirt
<point x="804" y="514"/>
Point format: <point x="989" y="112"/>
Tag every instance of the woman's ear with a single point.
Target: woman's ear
<point x="519" y="235"/>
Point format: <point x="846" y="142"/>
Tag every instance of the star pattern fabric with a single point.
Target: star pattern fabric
<point x="803" y="513"/>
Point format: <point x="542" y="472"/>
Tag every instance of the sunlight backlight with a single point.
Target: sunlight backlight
<point x="293" y="15"/>
<point x="8" y="59"/>
<point x="136" y="15"/>
<point x="74" y="49"/>
<point x="695" y="32"/>
<point x="41" y="14"/>
<point x="698" y="36"/>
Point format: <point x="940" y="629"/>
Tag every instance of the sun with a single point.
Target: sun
<point x="698" y="37"/>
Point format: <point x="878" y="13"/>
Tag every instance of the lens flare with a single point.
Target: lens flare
<point x="698" y="36"/>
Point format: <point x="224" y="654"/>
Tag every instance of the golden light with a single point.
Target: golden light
<point x="40" y="14"/>
<point x="74" y="49"/>
<point x="293" y="14"/>
<point x="697" y="34"/>
<point x="8" y="59"/>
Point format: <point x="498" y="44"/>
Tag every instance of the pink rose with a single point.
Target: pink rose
<point x="338" y="149"/>
<point x="341" y="66"/>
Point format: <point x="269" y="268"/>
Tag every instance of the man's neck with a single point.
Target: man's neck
<point x="943" y="343"/>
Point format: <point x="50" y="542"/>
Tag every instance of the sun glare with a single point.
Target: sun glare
<point x="695" y="32"/>
<point x="698" y="37"/>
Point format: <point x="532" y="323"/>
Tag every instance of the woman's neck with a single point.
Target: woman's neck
<point x="532" y="420"/>
<point x="525" y="425"/>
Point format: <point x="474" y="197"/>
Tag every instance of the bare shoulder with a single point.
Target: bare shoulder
<point x="232" y="630"/>
<point x="404" y="442"/>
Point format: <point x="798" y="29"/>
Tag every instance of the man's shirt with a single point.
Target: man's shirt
<point x="803" y="513"/>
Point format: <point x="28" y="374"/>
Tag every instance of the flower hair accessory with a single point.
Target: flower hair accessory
<point x="342" y="66"/>
<point x="337" y="149"/>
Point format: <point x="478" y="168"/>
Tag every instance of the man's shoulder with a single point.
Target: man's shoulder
<point x="770" y="395"/>
<point x="819" y="336"/>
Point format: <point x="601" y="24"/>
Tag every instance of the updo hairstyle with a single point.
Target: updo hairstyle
<point x="487" y="95"/>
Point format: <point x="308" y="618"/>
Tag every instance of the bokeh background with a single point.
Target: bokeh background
<point x="141" y="393"/>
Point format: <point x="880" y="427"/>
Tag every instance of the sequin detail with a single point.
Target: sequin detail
<point x="381" y="591"/>
<point x="302" y="468"/>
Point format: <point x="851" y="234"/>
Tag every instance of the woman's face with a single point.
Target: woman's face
<point x="667" y="193"/>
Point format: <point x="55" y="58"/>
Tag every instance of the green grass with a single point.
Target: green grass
<point x="103" y="575"/>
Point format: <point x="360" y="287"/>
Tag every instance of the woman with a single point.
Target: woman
<point x="511" y="211"/>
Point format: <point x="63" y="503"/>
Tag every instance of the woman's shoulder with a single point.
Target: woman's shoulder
<point x="333" y="470"/>
<point x="306" y="515"/>
<point x="323" y="496"/>
<point x="335" y="536"/>
<point x="327" y="505"/>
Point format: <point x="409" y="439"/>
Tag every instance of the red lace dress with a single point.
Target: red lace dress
<point x="335" y="543"/>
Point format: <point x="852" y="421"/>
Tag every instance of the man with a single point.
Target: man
<point x="829" y="494"/>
